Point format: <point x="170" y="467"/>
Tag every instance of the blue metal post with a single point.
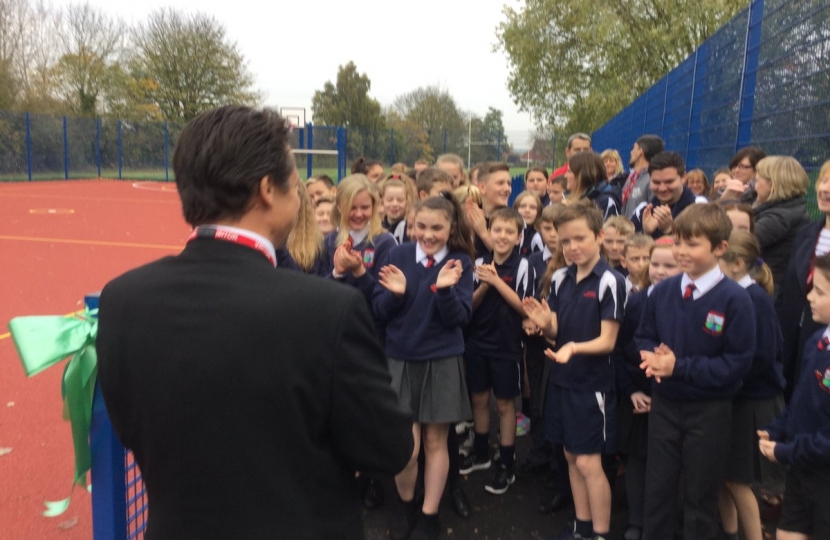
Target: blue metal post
<point x="29" y="144"/>
<point x="750" y="72"/>
<point x="391" y="146"/>
<point x="309" y="158"/>
<point x="445" y="141"/>
<point x="166" y="153"/>
<point x="120" y="153"/>
<point x="98" y="145"/>
<point x="65" y="152"/>
<point x="341" y="152"/>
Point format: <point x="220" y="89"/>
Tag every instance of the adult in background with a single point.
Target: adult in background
<point x="578" y="142"/>
<point x="241" y="425"/>
<point x="743" y="167"/>
<point x="637" y="189"/>
<point x="794" y="314"/>
<point x="614" y="168"/>
<point x="656" y="217"/>
<point x="780" y="210"/>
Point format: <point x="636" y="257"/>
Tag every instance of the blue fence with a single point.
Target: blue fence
<point x="46" y="147"/>
<point x="763" y="79"/>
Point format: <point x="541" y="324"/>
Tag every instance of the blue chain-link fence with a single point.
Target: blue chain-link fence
<point x="763" y="79"/>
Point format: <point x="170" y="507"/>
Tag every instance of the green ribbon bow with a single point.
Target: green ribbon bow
<point x="43" y="341"/>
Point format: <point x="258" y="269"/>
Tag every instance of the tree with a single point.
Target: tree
<point x="576" y="64"/>
<point x="347" y="103"/>
<point x="192" y="64"/>
<point x="89" y="43"/>
<point x="435" y="110"/>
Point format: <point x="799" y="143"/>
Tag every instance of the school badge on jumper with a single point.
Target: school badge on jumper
<point x="369" y="258"/>
<point x="824" y="380"/>
<point x="714" y="323"/>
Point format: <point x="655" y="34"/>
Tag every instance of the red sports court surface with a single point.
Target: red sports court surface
<point x="58" y="241"/>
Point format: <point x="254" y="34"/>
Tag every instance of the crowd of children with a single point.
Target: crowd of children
<point x="660" y="346"/>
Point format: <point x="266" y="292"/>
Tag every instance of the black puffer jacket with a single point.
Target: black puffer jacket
<point x="776" y="224"/>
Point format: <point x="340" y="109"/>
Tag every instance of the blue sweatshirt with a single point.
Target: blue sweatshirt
<point x="374" y="254"/>
<point x="765" y="378"/>
<point x="424" y="324"/>
<point x="712" y="338"/>
<point x="630" y="378"/>
<point x="803" y="429"/>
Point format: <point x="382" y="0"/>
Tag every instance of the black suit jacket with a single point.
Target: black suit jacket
<point x="791" y="304"/>
<point x="249" y="395"/>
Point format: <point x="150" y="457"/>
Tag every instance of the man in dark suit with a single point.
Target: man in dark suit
<point x="249" y="395"/>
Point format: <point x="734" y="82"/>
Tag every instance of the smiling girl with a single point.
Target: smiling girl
<point x="426" y="296"/>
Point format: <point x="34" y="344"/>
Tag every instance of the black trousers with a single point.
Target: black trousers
<point x="537" y="376"/>
<point x="689" y="440"/>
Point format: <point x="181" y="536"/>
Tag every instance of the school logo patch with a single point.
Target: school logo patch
<point x="824" y="380"/>
<point x="590" y="294"/>
<point x="714" y="323"/>
<point x="507" y="279"/>
<point x="369" y="258"/>
<point x="433" y="287"/>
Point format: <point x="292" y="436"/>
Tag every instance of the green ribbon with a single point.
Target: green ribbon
<point x="43" y="341"/>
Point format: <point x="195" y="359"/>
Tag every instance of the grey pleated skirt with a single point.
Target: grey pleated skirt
<point x="434" y="390"/>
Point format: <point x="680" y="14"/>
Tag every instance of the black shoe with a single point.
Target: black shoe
<point x="427" y="528"/>
<point x="555" y="504"/>
<point x="633" y="532"/>
<point x="459" y="502"/>
<point x="501" y="478"/>
<point x="371" y="492"/>
<point x="472" y="463"/>
<point x="404" y="520"/>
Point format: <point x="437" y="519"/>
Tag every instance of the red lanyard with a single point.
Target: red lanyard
<point x="220" y="233"/>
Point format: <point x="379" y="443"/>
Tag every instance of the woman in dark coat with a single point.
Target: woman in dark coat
<point x="792" y="307"/>
<point x="780" y="210"/>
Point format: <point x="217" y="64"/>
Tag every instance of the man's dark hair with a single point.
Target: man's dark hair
<point x="221" y="156"/>
<point x="651" y="145"/>
<point x="665" y="160"/>
<point x="754" y="154"/>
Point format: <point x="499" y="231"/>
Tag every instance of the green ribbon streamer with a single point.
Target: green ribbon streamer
<point x="42" y="342"/>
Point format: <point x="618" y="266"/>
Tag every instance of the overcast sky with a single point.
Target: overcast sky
<point x="294" y="47"/>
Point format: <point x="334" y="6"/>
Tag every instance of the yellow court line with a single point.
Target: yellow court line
<point x="8" y="334"/>
<point x="88" y="242"/>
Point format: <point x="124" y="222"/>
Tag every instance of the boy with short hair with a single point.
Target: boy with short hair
<point x="320" y="186"/>
<point x="556" y="189"/>
<point x="583" y="314"/>
<point x="635" y="260"/>
<point x="617" y="229"/>
<point x="495" y="185"/>
<point x="800" y="437"/>
<point x="694" y="340"/>
<point x="431" y="182"/>
<point x="494" y="346"/>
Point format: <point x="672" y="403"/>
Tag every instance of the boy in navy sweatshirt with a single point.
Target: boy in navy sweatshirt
<point x="696" y="341"/>
<point x="800" y="437"/>
<point x="503" y="279"/>
<point x="583" y="315"/>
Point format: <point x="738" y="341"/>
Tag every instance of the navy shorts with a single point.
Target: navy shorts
<point x="501" y="375"/>
<point x="584" y="422"/>
<point x="806" y="506"/>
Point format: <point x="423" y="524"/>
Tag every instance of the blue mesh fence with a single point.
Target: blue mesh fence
<point x="762" y="79"/>
<point x="46" y="147"/>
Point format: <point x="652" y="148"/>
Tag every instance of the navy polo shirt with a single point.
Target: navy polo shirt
<point x="479" y="245"/>
<point x="531" y="241"/>
<point x="496" y="328"/>
<point x="580" y="309"/>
